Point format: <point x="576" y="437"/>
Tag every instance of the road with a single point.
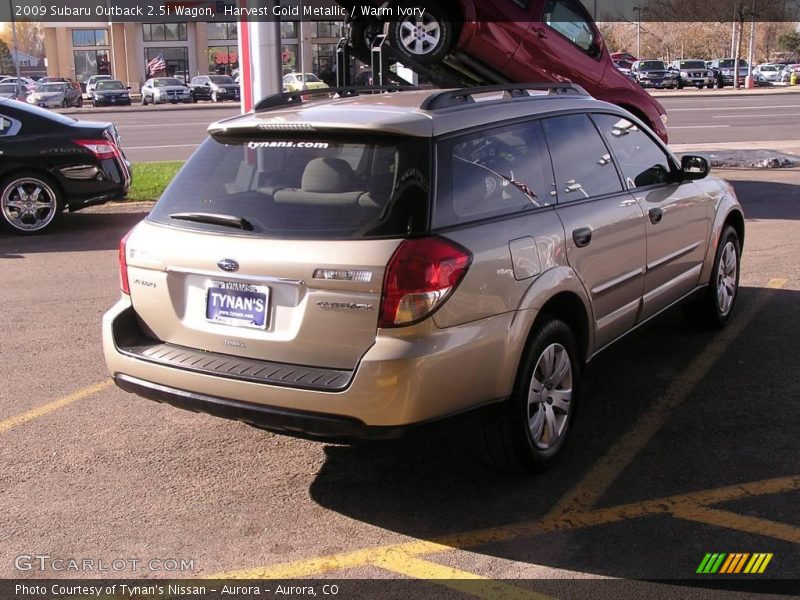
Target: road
<point x="172" y="133"/>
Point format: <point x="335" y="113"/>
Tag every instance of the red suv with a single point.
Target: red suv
<point x="523" y="40"/>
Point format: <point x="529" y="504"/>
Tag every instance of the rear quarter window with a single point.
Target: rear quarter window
<point x="305" y="188"/>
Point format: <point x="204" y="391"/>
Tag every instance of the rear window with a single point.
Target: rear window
<point x="330" y="187"/>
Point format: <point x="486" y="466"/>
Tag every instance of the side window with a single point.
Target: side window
<point x="570" y="21"/>
<point x="641" y="160"/>
<point x="9" y="126"/>
<point x="493" y="172"/>
<point x="582" y="163"/>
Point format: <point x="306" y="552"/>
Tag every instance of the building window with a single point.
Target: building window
<point x="177" y="60"/>
<point x="329" y="29"/>
<point x="288" y="30"/>
<point x="89" y="37"/>
<point x="164" y="32"/>
<point x="222" y="31"/>
<point x="323" y="61"/>
<point x="222" y="60"/>
<point x="91" y="62"/>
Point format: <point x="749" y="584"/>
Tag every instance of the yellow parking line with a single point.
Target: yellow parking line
<point x="588" y="491"/>
<point x="45" y="409"/>
<point x="564" y="522"/>
<point x="747" y="524"/>
<point x="456" y="579"/>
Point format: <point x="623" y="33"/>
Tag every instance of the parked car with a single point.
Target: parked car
<point x="536" y="40"/>
<point x="55" y="95"/>
<point x="692" y="72"/>
<point x="767" y="73"/>
<point x="91" y="83"/>
<point x="214" y="87"/>
<point x="626" y="56"/>
<point x="160" y="90"/>
<point x="111" y="92"/>
<point x="653" y="73"/>
<point x="13" y="91"/>
<point x="361" y="267"/>
<point x="724" y="71"/>
<point x="28" y="83"/>
<point x="293" y="82"/>
<point x="624" y="67"/>
<point x="52" y="162"/>
<point x="72" y="83"/>
<point x="786" y="72"/>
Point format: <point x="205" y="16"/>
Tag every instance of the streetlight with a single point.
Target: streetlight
<point x="638" y="10"/>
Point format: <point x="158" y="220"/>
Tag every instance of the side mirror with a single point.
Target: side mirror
<point x="694" y="167"/>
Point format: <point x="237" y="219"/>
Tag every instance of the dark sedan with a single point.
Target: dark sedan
<point x="214" y="87"/>
<point x="51" y="162"/>
<point x="110" y="92"/>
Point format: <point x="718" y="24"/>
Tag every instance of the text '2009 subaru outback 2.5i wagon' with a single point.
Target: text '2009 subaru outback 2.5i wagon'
<point x="349" y="268"/>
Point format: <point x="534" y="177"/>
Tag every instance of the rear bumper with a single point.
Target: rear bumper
<point x="425" y="376"/>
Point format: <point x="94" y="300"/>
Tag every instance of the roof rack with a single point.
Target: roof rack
<point x="450" y="98"/>
<point x="287" y="99"/>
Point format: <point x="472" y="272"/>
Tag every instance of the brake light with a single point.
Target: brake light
<point x="123" y="265"/>
<point x="421" y="275"/>
<point x="100" y="148"/>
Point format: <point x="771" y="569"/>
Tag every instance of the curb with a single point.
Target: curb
<point x="762" y="91"/>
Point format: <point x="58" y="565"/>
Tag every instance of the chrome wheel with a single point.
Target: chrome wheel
<point x="28" y="204"/>
<point x="550" y="396"/>
<point x="420" y="36"/>
<point x="726" y="278"/>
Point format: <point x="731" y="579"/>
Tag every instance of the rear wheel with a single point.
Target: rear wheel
<point x="426" y="38"/>
<point x="29" y="203"/>
<point x="713" y="309"/>
<point x="533" y="427"/>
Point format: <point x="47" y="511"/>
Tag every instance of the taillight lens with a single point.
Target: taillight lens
<point x="421" y="275"/>
<point x="123" y="265"/>
<point x="100" y="148"/>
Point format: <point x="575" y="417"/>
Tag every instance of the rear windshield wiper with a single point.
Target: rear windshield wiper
<point x="214" y="219"/>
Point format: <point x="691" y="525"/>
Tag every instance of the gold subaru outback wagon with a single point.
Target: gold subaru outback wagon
<point x="351" y="267"/>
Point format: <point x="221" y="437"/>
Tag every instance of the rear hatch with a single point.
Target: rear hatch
<point x="274" y="248"/>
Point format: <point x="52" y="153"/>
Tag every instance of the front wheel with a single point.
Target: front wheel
<point x="713" y="309"/>
<point x="426" y="38"/>
<point x="531" y="430"/>
<point x="29" y="203"/>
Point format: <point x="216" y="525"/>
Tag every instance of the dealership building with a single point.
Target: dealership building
<point x="122" y="50"/>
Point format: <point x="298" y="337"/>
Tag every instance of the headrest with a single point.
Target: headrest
<point x="327" y="176"/>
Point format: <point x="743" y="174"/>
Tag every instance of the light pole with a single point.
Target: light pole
<point x="638" y="10"/>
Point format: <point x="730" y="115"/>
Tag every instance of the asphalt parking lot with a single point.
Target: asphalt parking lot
<point x="686" y="445"/>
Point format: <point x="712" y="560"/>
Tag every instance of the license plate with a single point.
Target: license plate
<point x="237" y="304"/>
<point x="42" y="105"/>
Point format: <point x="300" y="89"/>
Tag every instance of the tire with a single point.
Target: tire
<point x="79" y="102"/>
<point x="680" y="84"/>
<point x="530" y="431"/>
<point x="361" y="36"/>
<point x="714" y="307"/>
<point x="426" y="40"/>
<point x="21" y="215"/>
<point x="709" y="86"/>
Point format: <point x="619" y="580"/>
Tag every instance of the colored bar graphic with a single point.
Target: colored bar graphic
<point x="734" y="563"/>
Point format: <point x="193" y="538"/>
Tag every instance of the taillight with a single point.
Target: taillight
<point x="420" y="276"/>
<point x="123" y="265"/>
<point x="100" y="148"/>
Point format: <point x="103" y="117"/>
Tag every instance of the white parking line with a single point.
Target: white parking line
<point x="719" y="108"/>
<point x="174" y="124"/>
<point x="699" y="127"/>
<point x="762" y="115"/>
<point x="126" y="148"/>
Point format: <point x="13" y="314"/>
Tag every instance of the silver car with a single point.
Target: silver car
<point x="55" y="95"/>
<point x="352" y="268"/>
<point x="160" y="90"/>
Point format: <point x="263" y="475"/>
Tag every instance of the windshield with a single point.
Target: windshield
<point x="51" y="87"/>
<point x="652" y="65"/>
<point x="728" y="63"/>
<point x="325" y="187"/>
<point x="308" y="77"/>
<point x="693" y="64"/>
<point x="221" y="79"/>
<point x="109" y="85"/>
<point x="165" y="82"/>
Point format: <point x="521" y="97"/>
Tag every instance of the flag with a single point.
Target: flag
<point x="156" y="65"/>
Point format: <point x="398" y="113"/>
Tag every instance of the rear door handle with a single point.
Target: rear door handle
<point x="582" y="237"/>
<point x="655" y="214"/>
<point x="540" y="32"/>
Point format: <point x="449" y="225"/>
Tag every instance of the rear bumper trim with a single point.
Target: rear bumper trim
<point x="305" y="424"/>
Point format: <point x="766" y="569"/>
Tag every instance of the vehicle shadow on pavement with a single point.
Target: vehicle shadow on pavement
<point x="736" y="425"/>
<point x="77" y="232"/>
<point x="768" y="199"/>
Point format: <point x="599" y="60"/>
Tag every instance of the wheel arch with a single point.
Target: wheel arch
<point x="28" y="170"/>
<point x="735" y="219"/>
